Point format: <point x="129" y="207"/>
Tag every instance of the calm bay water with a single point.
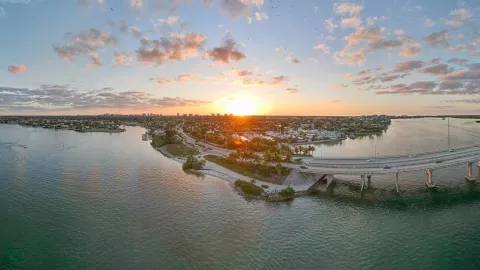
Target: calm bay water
<point x="109" y="201"/>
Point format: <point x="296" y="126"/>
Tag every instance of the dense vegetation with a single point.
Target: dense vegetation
<point x="170" y="137"/>
<point x="252" y="168"/>
<point x="193" y="163"/>
<point x="287" y="192"/>
<point x="249" y="188"/>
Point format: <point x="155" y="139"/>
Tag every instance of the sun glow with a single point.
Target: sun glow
<point x="241" y="105"/>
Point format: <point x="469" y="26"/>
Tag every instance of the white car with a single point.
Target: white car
<point x="451" y="150"/>
<point x="369" y="160"/>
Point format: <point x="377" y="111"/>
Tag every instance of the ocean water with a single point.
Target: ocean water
<point x="109" y="201"/>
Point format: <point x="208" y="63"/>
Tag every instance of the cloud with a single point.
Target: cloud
<point x="122" y="58"/>
<point x="257" y="3"/>
<point x="470" y="101"/>
<point x="347" y="8"/>
<point x="399" y="32"/>
<point x="436" y="39"/>
<point x="352" y="22"/>
<point x="428" y="23"/>
<point x="461" y="75"/>
<point x="292" y="90"/>
<point x="458" y="61"/>
<point x="84" y="42"/>
<point x="437" y="69"/>
<point x="236" y="8"/>
<point x="96" y="60"/>
<point x="136" y="3"/>
<point x="136" y="32"/>
<point x="348" y="75"/>
<point x="315" y="9"/>
<point x="242" y="73"/>
<point x="17" y="69"/>
<point x="470" y="48"/>
<point x="369" y="35"/>
<point x="411" y="51"/>
<point x="408" y="66"/>
<point x="261" y="16"/>
<point x="423" y="87"/>
<point x="339" y="86"/>
<point x="454" y="23"/>
<point x="350" y="57"/>
<point x="278" y="80"/>
<point x="225" y="53"/>
<point x="176" y="48"/>
<point x="385" y="44"/>
<point x="462" y="14"/>
<point x="366" y="77"/>
<point x="440" y="107"/>
<point x="169" y="20"/>
<point x="293" y="59"/>
<point x="330" y="25"/>
<point x="364" y="72"/>
<point x="65" y="97"/>
<point x="337" y="101"/>
<point x="182" y="78"/>
<point x="374" y="39"/>
<point x="323" y="48"/>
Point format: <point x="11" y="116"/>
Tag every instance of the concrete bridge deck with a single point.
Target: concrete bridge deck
<point x="368" y="166"/>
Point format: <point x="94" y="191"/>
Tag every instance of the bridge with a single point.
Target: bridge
<point x="368" y="166"/>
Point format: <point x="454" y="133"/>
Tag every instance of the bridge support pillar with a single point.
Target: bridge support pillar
<point x="330" y="179"/>
<point x="363" y="181"/>
<point x="369" y="180"/>
<point x="469" y="176"/>
<point x="429" y="182"/>
<point x="478" y="167"/>
<point x="396" y="182"/>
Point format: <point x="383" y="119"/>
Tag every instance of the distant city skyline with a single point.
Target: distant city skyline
<point x="245" y="57"/>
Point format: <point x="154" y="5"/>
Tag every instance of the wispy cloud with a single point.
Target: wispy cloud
<point x="17" y="69"/>
<point x="293" y="59"/>
<point x="292" y="90"/>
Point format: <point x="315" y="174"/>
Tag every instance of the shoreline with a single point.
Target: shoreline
<point x="225" y="174"/>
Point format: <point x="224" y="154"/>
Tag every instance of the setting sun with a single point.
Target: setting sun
<point x="241" y="105"/>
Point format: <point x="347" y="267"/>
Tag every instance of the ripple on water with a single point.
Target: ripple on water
<point x="114" y="202"/>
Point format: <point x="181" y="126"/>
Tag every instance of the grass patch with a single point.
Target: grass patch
<point x="180" y="150"/>
<point x="249" y="188"/>
<point x="257" y="171"/>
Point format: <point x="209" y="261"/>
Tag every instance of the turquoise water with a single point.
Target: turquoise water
<point x="109" y="201"/>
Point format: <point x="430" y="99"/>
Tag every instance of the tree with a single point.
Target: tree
<point x="279" y="169"/>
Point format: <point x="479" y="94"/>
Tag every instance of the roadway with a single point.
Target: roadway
<point x="393" y="167"/>
<point x="405" y="159"/>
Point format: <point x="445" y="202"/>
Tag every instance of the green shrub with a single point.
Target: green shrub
<point x="287" y="192"/>
<point x="193" y="163"/>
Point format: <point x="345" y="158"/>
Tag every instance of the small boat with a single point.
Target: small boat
<point x="264" y="186"/>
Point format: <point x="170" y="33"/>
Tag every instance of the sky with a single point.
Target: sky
<point x="264" y="57"/>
